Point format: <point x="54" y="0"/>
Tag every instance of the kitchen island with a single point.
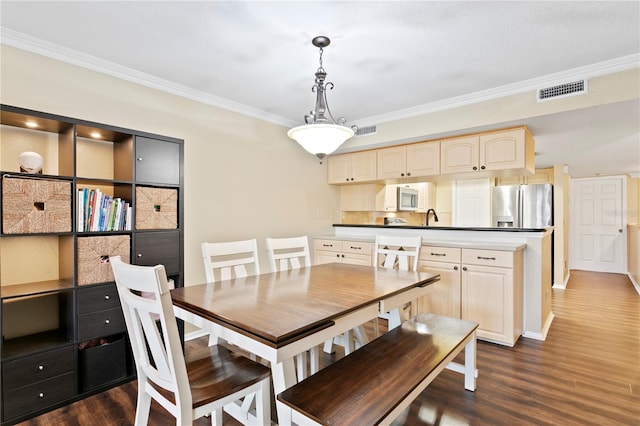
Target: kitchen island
<point x="536" y="244"/>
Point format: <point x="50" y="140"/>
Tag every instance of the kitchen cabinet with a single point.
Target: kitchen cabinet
<point x="59" y="303"/>
<point x="443" y="297"/>
<point x="492" y="293"/>
<point x="342" y="251"/>
<point x="484" y="286"/>
<point x="541" y="176"/>
<point x="352" y="168"/>
<point x="504" y="152"/>
<point x="409" y="161"/>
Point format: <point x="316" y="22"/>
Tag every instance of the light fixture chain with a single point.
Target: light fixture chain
<point x="321" y="51"/>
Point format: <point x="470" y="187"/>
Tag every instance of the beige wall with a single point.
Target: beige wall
<point x="244" y="178"/>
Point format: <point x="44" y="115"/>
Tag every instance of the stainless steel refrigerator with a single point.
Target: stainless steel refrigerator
<point x="522" y="206"/>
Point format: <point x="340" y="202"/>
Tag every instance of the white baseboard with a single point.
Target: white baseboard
<point x="634" y="282"/>
<point x="545" y="330"/>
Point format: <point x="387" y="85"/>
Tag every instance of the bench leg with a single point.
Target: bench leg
<point x="470" y="364"/>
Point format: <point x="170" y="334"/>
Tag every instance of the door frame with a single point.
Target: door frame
<point x="573" y="198"/>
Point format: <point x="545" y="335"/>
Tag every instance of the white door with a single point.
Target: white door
<point x="597" y="224"/>
<point x="472" y="203"/>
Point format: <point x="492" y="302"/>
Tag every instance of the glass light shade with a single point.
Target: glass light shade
<point x="319" y="139"/>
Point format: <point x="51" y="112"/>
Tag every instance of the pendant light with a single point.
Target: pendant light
<point x="322" y="134"/>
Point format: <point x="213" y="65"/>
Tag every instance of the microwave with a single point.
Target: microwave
<point x="407" y="199"/>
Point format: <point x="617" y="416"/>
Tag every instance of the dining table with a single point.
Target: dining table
<point x="277" y="316"/>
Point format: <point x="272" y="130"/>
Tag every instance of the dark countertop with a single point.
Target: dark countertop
<point x="443" y="228"/>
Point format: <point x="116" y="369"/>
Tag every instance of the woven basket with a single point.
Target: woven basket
<point x="156" y="208"/>
<point x="32" y="206"/>
<point x="93" y="257"/>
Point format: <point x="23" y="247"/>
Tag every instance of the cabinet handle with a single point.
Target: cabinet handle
<point x="475" y="168"/>
<point x="401" y="174"/>
<point x="139" y="255"/>
<point x="438" y="254"/>
<point x="41" y="395"/>
<point x="139" y="158"/>
<point x="355" y="248"/>
<point x="352" y="179"/>
<point x="338" y="255"/>
<point x="486" y="258"/>
<point x="327" y="245"/>
<point x="464" y="268"/>
<point x="107" y="321"/>
<point x="40" y="367"/>
<point x="408" y="174"/>
<point x="482" y="167"/>
<point x="106" y="297"/>
<point x="455" y="268"/>
<point x="342" y="255"/>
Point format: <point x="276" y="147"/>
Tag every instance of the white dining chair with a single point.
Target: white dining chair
<point x="395" y="252"/>
<point x="289" y="254"/>
<point x="188" y="386"/>
<point x="226" y="260"/>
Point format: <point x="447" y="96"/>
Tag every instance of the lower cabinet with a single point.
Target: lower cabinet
<point x="352" y="252"/>
<point x="484" y="286"/>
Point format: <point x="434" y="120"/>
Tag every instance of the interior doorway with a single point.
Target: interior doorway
<point x="598" y="225"/>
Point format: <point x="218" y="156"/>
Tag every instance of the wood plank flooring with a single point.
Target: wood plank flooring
<point x="587" y="372"/>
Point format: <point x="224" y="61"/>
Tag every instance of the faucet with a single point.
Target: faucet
<point x="435" y="216"/>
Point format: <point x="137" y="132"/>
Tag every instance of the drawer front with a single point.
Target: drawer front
<point x="357" y="247"/>
<point x="158" y="248"/>
<point x="39" y="395"/>
<point x="37" y="368"/>
<point x="440" y="254"/>
<point x="327" y="245"/>
<point x="102" y="323"/>
<point x="157" y="161"/>
<point x="502" y="259"/>
<point x="95" y="299"/>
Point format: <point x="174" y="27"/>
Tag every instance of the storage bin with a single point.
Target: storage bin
<point x="156" y="208"/>
<point x="102" y="364"/>
<point x="31" y="206"/>
<point x="93" y="257"/>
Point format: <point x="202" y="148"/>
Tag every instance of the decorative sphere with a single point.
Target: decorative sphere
<point x="30" y="162"/>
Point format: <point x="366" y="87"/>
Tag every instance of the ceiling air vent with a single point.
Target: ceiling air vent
<point x="562" y="90"/>
<point x="368" y="130"/>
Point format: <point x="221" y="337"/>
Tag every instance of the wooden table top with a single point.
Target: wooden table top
<point x="277" y="308"/>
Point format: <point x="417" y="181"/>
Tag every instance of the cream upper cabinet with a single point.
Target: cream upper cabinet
<point x="413" y="160"/>
<point x="504" y="152"/>
<point x="459" y="155"/>
<point x="539" y="177"/>
<point x="351" y="168"/>
<point x="510" y="149"/>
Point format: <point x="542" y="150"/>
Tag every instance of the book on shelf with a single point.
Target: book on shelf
<point x="98" y="212"/>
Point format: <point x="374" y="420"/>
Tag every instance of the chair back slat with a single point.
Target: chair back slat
<point x="288" y="253"/>
<point x="230" y="259"/>
<point x="397" y="252"/>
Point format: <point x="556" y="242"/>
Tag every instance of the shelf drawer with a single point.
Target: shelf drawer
<point x="503" y="259"/>
<point x="103" y="364"/>
<point x="440" y="254"/>
<point x="157" y="161"/>
<point x="158" y="248"/>
<point x="38" y="396"/>
<point x="37" y="368"/>
<point x="102" y="323"/>
<point x="35" y="206"/>
<point x="99" y="298"/>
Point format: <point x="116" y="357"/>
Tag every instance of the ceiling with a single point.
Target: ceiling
<point x="388" y="59"/>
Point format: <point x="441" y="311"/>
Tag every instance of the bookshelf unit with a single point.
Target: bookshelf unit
<point x="63" y="332"/>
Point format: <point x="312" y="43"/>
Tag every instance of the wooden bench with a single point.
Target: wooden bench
<point x="374" y="384"/>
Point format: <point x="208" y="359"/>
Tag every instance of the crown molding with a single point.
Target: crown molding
<point x="70" y="56"/>
<point x="55" y="51"/>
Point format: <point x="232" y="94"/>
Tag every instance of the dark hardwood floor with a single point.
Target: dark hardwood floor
<point x="587" y="372"/>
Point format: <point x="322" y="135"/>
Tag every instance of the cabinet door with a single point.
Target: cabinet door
<point x="322" y="256"/>
<point x="423" y="159"/>
<point x="392" y="162"/>
<point x="443" y="297"/>
<point x="503" y="150"/>
<point x="487" y="298"/>
<point x="356" y="259"/>
<point x="459" y="155"/>
<point x="364" y="166"/>
<point x="339" y="169"/>
<point x="540" y="176"/>
<point x="157" y="161"/>
<point x="154" y="248"/>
